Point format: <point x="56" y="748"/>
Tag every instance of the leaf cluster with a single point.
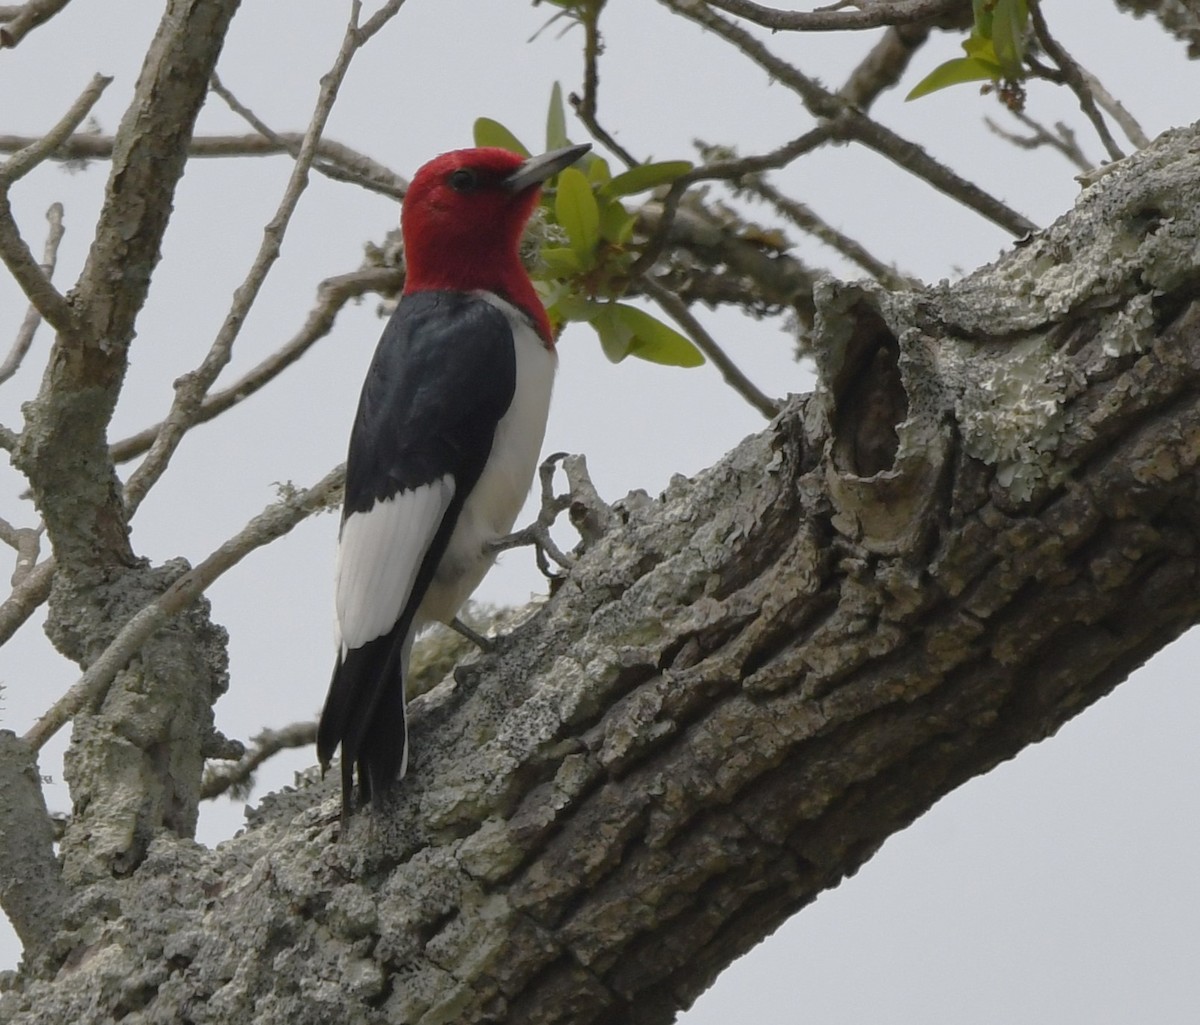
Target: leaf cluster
<point x="995" y="50"/>
<point x="584" y="279"/>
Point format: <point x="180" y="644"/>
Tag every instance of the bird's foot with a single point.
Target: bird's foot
<point x="484" y="644"/>
<point x="589" y="514"/>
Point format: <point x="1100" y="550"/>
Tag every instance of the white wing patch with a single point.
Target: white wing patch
<point x="379" y="554"/>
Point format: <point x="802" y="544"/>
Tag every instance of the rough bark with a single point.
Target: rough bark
<point x="131" y="770"/>
<point x="983" y="522"/>
<point x="31" y="884"/>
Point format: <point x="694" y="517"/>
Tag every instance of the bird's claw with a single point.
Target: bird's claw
<point x="484" y="644"/>
<point x="589" y="514"/>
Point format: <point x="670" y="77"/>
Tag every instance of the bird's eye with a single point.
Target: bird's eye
<point x="463" y="180"/>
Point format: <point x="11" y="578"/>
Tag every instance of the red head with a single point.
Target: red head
<point x="463" y="217"/>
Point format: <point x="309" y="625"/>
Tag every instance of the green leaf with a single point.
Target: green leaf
<point x="983" y="17"/>
<point x="574" y="307"/>
<point x="492" y="133"/>
<point x="556" y="121"/>
<point x="615" y="335"/>
<point x="645" y="176"/>
<point x="1009" y="20"/>
<point x="596" y="169"/>
<point x="955" y="72"/>
<point x="981" y="49"/>
<point x="576" y="210"/>
<point x="562" y="262"/>
<point x="616" y="223"/>
<point x="654" y="341"/>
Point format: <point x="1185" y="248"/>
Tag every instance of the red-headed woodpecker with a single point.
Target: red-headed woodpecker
<point x="444" y="445"/>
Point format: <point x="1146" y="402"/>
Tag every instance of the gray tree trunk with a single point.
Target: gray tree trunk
<point x="983" y="522"/>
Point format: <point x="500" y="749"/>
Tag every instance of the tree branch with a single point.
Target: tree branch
<point x="236" y="780"/>
<point x="192" y="387"/>
<point x="1061" y="139"/>
<point x="272" y="523"/>
<point x="332" y="295"/>
<point x="26" y="542"/>
<point x="845" y="122"/>
<point x="745" y="686"/>
<point x="883" y="66"/>
<point x="357" y="166"/>
<point x="25" y="599"/>
<point x="875" y="14"/>
<point x="32" y="890"/>
<point x="67" y="423"/>
<point x="1074" y="76"/>
<point x="33" y="318"/>
<point x="350" y="167"/>
<point x="708" y="345"/>
<point x="17" y="22"/>
<point x="13" y="250"/>
<point x="805" y="219"/>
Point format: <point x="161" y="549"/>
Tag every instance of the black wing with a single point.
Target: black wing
<point x="442" y="377"/>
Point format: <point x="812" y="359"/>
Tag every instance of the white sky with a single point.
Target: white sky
<point x="1060" y="888"/>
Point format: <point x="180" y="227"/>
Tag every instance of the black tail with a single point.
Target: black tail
<point x="364" y="713"/>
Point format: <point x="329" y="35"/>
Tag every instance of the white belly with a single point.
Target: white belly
<point x="492" y="506"/>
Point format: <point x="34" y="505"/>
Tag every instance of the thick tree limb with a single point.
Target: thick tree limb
<point x="31" y="887"/>
<point x="747" y="685"/>
<point x="136" y="770"/>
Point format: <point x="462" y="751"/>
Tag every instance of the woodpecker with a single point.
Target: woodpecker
<point x="444" y="444"/>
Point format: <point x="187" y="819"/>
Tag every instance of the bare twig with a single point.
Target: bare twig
<point x="33" y="317"/>
<point x="1061" y="139"/>
<point x="13" y="250"/>
<point x="845" y="122"/>
<point x="738" y="381"/>
<point x="26" y="542"/>
<point x="1074" y="77"/>
<point x="875" y="14"/>
<point x="192" y="387"/>
<point x="28" y="157"/>
<point x="26" y="598"/>
<point x="805" y="219"/>
<point x="362" y="171"/>
<point x="240" y="776"/>
<point x="1116" y="110"/>
<point x="720" y="170"/>
<point x="20" y="21"/>
<point x="370" y="174"/>
<point x="332" y="295"/>
<point x="586" y="107"/>
<point x="272" y="523"/>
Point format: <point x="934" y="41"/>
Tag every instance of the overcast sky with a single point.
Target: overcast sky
<point x="1061" y="888"/>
